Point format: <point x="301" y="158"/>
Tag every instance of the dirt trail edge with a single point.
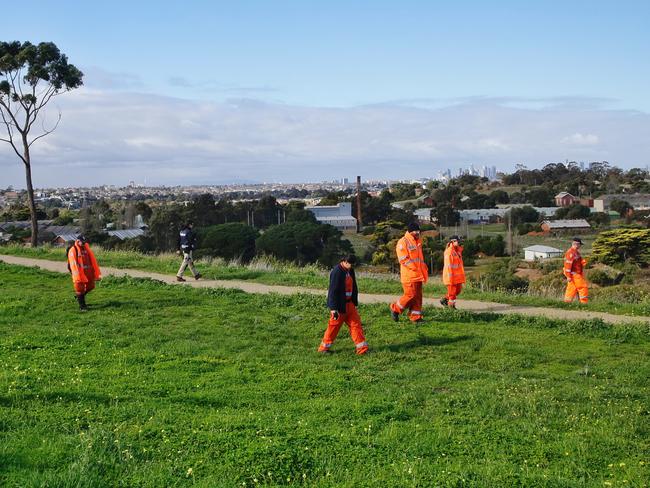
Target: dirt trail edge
<point x="251" y="287"/>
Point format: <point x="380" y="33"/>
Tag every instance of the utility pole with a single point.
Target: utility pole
<point x="509" y="235"/>
<point x="359" y="222"/>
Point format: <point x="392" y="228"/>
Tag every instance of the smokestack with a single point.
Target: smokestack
<point x="359" y="223"/>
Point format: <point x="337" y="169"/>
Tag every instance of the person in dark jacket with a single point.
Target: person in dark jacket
<point x="186" y="244"/>
<point x="342" y="301"/>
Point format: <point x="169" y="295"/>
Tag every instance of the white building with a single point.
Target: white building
<point x="339" y="216"/>
<point x="534" y="253"/>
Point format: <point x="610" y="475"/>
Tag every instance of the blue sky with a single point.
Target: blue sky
<point x="471" y="63"/>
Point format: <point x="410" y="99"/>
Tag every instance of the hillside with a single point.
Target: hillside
<point x="172" y="386"/>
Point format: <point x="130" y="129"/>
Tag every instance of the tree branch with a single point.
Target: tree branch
<point x="45" y="131"/>
<point x="10" y="134"/>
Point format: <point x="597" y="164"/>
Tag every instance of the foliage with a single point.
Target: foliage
<point x="623" y="245"/>
<point x="500" y="196"/>
<point x="599" y="219"/>
<point x="620" y="206"/>
<point x="526" y="227"/>
<point x="445" y="215"/>
<point x="164" y="226"/>
<point x="623" y="294"/>
<point x="19" y="212"/>
<point x="295" y="212"/>
<point x="518" y="215"/>
<point x="575" y="211"/>
<point x="500" y="277"/>
<point x="229" y="241"/>
<point x="30" y="76"/>
<point x="403" y="191"/>
<point x="304" y="242"/>
<point x="487" y="245"/>
<point x="600" y="277"/>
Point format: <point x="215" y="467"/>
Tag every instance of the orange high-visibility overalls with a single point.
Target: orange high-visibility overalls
<point x="83" y="267"/>
<point x="453" y="272"/>
<point x="413" y="274"/>
<point x="574" y="271"/>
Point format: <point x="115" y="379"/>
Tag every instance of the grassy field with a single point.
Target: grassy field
<point x="275" y="273"/>
<point x="172" y="386"/>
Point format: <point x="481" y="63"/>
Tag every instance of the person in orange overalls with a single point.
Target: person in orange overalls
<point x="453" y="272"/>
<point x="574" y="272"/>
<point x="342" y="301"/>
<point x="413" y="275"/>
<point x="84" y="270"/>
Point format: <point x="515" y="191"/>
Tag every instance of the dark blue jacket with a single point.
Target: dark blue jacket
<point x="186" y="239"/>
<point x="336" y="293"/>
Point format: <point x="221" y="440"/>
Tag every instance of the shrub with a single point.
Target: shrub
<point x="304" y="242"/>
<point x="624" y="294"/>
<point x="551" y="285"/>
<point x="500" y="277"/>
<point x="228" y="241"/>
<point x="623" y="245"/>
<point x="599" y="277"/>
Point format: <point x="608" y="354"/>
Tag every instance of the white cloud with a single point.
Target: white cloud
<point x="113" y="137"/>
<point x="579" y="139"/>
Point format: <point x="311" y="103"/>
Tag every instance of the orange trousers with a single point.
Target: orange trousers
<point x="353" y="320"/>
<point x="577" y="286"/>
<point x="452" y="292"/>
<point x="83" y="288"/>
<point x="411" y="299"/>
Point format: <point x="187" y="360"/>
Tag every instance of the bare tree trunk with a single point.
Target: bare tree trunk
<point x="30" y="193"/>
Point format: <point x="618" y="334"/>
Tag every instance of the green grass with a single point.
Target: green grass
<point x="276" y="273"/>
<point x="171" y="386"/>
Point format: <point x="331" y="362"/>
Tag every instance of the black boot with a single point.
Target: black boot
<point x="82" y="302"/>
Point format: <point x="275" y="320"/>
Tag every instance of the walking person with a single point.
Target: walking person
<point x="84" y="270"/>
<point x="342" y="301"/>
<point x="186" y="244"/>
<point x="453" y="272"/>
<point x="413" y="275"/>
<point x="573" y="270"/>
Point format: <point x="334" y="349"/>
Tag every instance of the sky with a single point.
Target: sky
<point x="200" y="92"/>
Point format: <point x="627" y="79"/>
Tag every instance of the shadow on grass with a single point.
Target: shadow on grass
<point x="424" y="341"/>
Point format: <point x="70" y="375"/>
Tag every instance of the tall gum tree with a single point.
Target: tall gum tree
<point x="30" y="76"/>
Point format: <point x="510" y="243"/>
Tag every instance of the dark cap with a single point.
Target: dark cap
<point x="577" y="239"/>
<point x="454" y="238"/>
<point x="82" y="238"/>
<point x="413" y="226"/>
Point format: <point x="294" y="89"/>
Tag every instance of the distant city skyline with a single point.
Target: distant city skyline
<point x="215" y="92"/>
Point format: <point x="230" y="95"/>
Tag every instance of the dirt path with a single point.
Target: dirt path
<point x="251" y="287"/>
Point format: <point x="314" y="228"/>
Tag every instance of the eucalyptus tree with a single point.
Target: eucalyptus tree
<point x="30" y="77"/>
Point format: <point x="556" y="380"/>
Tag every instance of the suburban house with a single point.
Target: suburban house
<point x="538" y="252"/>
<point x="125" y="234"/>
<point x="564" y="199"/>
<point x="639" y="201"/>
<point x="561" y="226"/>
<point x="339" y="216"/>
<point x="61" y="240"/>
<point x="497" y="215"/>
<point x="423" y="215"/>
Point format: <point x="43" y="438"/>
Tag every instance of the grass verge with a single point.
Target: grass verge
<point x="273" y="272"/>
<point x="172" y="386"/>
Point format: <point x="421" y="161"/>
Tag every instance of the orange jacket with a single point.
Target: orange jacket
<point x="573" y="263"/>
<point x="453" y="272"/>
<point x="83" y="265"/>
<point x="412" y="267"/>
